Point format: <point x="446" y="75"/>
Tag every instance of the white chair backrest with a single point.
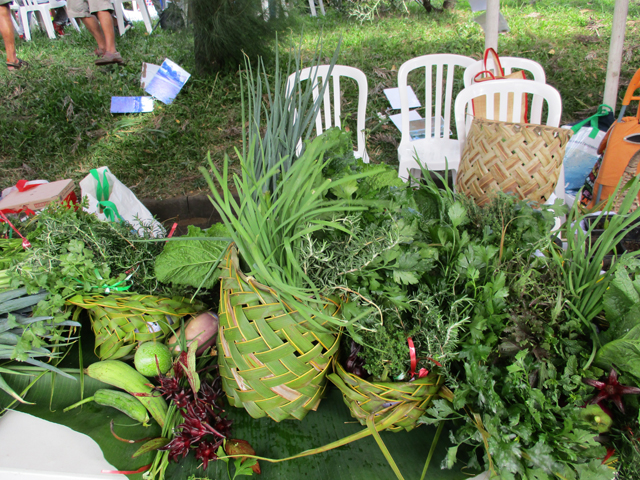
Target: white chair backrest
<point x="508" y="65"/>
<point x="503" y="88"/>
<point x="320" y="73"/>
<point x="438" y="87"/>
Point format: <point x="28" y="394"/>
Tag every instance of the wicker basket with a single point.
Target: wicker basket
<point x="408" y="400"/>
<point x="269" y="363"/>
<point x="515" y="158"/>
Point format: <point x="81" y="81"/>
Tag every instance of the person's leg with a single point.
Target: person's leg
<point x="96" y="30"/>
<point x="8" y="34"/>
<point x="106" y="21"/>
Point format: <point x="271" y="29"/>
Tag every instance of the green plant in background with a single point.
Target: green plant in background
<point x="226" y="30"/>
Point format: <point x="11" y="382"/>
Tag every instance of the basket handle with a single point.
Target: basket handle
<point x="633" y="86"/>
<point x="496" y="61"/>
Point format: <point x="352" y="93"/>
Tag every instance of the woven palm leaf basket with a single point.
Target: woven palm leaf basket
<point x="122" y="321"/>
<point x="397" y="404"/>
<point x="517" y="158"/>
<point x="270" y="364"/>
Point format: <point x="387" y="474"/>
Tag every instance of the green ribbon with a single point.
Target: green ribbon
<point x="603" y="111"/>
<point x="102" y="189"/>
<point x="110" y="211"/>
<point x="107" y="288"/>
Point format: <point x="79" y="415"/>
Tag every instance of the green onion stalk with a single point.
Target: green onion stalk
<point x="581" y="263"/>
<point x="282" y="189"/>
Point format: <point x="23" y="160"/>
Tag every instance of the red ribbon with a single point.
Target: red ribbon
<point x="412" y="354"/>
<point x="23" y="185"/>
<point x="173" y="230"/>
<point x="129" y="472"/>
<point x="25" y="242"/>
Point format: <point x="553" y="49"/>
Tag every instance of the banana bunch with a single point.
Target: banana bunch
<point x="120" y="321"/>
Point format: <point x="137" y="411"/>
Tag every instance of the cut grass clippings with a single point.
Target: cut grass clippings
<point x="55" y="121"/>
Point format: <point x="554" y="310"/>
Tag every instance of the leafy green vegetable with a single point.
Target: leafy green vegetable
<point x="193" y="262"/>
<point x="621" y="342"/>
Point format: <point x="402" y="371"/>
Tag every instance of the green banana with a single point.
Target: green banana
<point x="125" y="377"/>
<point x="124" y="402"/>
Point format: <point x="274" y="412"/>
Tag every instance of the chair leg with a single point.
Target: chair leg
<point x="119" y="16"/>
<point x="24" y="18"/>
<point x="48" y="24"/>
<point x="142" y="6"/>
<point x="322" y="8"/>
<point x="72" y="20"/>
<point x="312" y="6"/>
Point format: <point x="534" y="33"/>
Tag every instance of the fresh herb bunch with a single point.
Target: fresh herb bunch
<point x="517" y="374"/>
<point x="73" y="251"/>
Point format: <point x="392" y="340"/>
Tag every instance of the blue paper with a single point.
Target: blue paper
<point x="131" y="104"/>
<point x="167" y="83"/>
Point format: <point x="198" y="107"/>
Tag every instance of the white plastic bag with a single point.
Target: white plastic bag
<point x="580" y="156"/>
<point x="111" y="200"/>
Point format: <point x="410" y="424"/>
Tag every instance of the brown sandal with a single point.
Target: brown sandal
<point x="13" y="66"/>
<point x="109" y="59"/>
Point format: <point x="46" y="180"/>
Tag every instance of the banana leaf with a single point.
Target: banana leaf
<point x="360" y="460"/>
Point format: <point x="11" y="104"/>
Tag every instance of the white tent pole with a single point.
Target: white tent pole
<point x="615" y="53"/>
<point x="491" y="25"/>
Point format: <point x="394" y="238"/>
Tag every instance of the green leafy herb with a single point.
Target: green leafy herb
<point x="193" y="262"/>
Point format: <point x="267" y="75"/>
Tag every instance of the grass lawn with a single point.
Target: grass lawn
<point x="55" y="121"/>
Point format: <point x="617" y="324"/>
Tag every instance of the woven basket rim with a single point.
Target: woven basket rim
<point x="524" y="125"/>
<point x="232" y="254"/>
<point x="417" y="382"/>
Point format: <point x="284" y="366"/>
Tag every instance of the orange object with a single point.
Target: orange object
<point x="617" y="151"/>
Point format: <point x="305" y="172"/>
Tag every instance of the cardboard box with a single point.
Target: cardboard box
<point x="37" y="198"/>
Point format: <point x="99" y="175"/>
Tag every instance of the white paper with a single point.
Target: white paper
<point x="397" y="119"/>
<point x="478" y="5"/>
<point x="503" y="26"/>
<point x="148" y="72"/>
<point x="393" y="95"/>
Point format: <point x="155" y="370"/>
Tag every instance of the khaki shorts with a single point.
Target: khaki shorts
<point x="84" y="8"/>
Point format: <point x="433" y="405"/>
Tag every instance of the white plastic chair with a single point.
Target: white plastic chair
<point x="508" y="65"/>
<point x="503" y="88"/>
<point x="439" y="151"/>
<point x="317" y="74"/>
<point x="139" y="5"/>
<point x="25" y="7"/>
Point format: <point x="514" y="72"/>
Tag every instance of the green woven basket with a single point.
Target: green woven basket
<point x="269" y="363"/>
<point x="122" y="321"/>
<point x="406" y="400"/>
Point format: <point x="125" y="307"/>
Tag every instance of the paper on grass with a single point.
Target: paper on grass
<point x="393" y="95"/>
<point x="503" y="26"/>
<point x="131" y="104"/>
<point x="168" y="81"/>
<point x="148" y="72"/>
<point x="478" y="5"/>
